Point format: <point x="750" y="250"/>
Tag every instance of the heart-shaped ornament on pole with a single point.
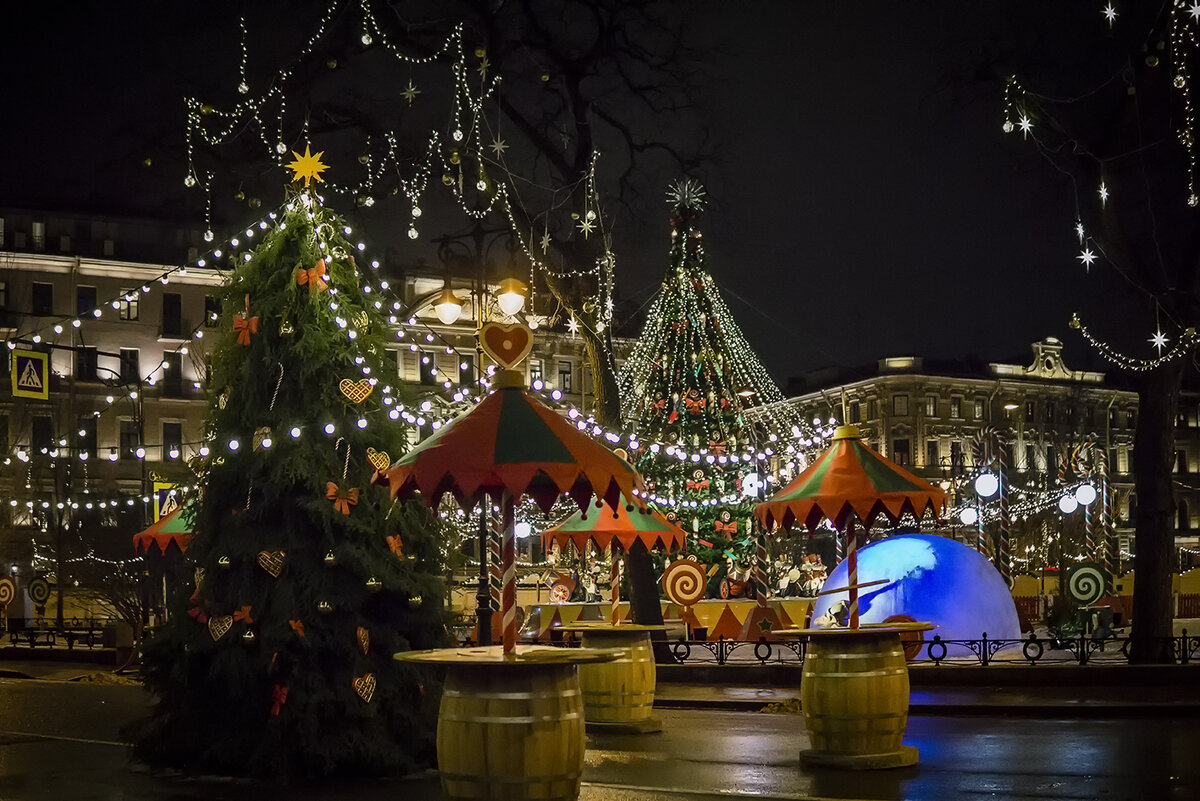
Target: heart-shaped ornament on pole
<point x="508" y="345"/>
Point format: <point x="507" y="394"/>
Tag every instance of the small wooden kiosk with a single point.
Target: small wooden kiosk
<point x="854" y="688"/>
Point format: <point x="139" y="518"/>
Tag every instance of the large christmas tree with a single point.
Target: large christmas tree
<point x="684" y="392"/>
<point x="278" y="659"/>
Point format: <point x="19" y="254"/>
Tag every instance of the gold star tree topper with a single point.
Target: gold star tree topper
<point x="308" y="167"/>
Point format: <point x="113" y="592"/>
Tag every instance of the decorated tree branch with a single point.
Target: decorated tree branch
<point x="277" y="659"/>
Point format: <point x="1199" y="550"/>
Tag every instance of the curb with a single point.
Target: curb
<point x="1043" y="710"/>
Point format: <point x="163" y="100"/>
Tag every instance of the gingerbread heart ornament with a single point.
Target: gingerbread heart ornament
<point x="508" y="345"/>
<point x="365" y="686"/>
<point x="380" y="460"/>
<point x="271" y="561"/>
<point x="355" y="391"/>
<point x="218" y="627"/>
<point x="364" y="639"/>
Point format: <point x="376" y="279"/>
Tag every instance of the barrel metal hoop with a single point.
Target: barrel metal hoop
<point x="524" y="696"/>
<point x="898" y="653"/>
<point x="819" y="716"/>
<point x="862" y="674"/>
<point x="476" y="779"/>
<point x="510" y="719"/>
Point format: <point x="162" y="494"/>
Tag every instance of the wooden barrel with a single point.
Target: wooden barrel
<point x="511" y="734"/>
<point x="620" y="691"/>
<point x="854" y="694"/>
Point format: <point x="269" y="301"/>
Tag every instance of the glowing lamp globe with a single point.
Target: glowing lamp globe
<point x="510" y="296"/>
<point x="522" y="530"/>
<point x="986" y="485"/>
<point x="969" y="515"/>
<point x="447" y="307"/>
<point x="1085" y="494"/>
<point x="1067" y="504"/>
<point x="931" y="579"/>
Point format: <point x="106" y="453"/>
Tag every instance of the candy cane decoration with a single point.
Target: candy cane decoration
<point x="978" y="459"/>
<point x="508" y="564"/>
<point x="852" y="558"/>
<point x="1082" y="454"/>
<point x="1106" y="554"/>
<point x="760" y="570"/>
<point x="614" y="583"/>
<point x="839" y="547"/>
<point x="1004" y="555"/>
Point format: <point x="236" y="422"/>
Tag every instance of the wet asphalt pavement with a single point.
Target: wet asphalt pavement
<point x="61" y="741"/>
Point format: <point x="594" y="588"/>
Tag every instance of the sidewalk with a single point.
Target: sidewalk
<point x="1073" y="701"/>
<point x="51" y="670"/>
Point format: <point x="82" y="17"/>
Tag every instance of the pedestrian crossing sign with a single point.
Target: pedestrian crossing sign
<point x="30" y="374"/>
<point x="165" y="499"/>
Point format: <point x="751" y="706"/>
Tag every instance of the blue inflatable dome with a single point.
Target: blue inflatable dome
<point x="931" y="579"/>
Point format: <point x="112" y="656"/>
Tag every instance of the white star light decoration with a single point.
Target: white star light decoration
<point x="1195" y="10"/>
<point x="1110" y="14"/>
<point x="687" y="193"/>
<point x="1079" y="231"/>
<point x="1026" y="125"/>
<point x="499" y="146"/>
<point x="545" y="243"/>
<point x="573" y="326"/>
<point x="1159" y="341"/>
<point x="1103" y="193"/>
<point x="1087" y="257"/>
<point x="410" y="93"/>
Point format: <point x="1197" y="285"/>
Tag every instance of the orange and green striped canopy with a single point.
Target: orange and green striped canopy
<point x="171" y="528"/>
<point x="512" y="442"/>
<point x="850" y="478"/>
<point x="602" y="525"/>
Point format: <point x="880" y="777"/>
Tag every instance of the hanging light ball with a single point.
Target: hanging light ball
<point x="969" y="515"/>
<point x="324" y="607"/>
<point x="374" y="584"/>
<point x="1067" y="504"/>
<point x="330" y="559"/>
<point x="1085" y="494"/>
<point x="986" y="484"/>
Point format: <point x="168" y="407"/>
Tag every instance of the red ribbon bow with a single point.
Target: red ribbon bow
<point x="245" y="326"/>
<point x="730" y="527"/>
<point x="697" y="485"/>
<point x="278" y="699"/>
<point x="717" y="448"/>
<point x="694" y="405"/>
<point x="314" y="277"/>
<point x="342" y="499"/>
<point x="198" y="614"/>
<point x="243" y="614"/>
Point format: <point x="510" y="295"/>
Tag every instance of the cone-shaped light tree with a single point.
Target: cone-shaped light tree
<point x="278" y="659"/>
<point x="684" y="391"/>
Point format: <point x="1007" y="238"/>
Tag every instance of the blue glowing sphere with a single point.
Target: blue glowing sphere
<point x="932" y="579"/>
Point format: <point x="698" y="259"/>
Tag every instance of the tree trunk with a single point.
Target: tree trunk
<point x="1154" y="543"/>
<point x="60" y="577"/>
<point x="604" y="379"/>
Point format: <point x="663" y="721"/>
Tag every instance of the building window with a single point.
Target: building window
<point x="85" y="300"/>
<point x="1113" y="418"/>
<point x="979" y="402"/>
<point x="956" y="407"/>
<point x="535" y="371"/>
<point x="900" y="406"/>
<point x="956" y="455"/>
<point x="130" y="369"/>
<point x="1028" y="463"/>
<point x="1131" y="418"/>
<point x="1122" y="460"/>
<point x="428" y="368"/>
<point x="565" y="382"/>
<point x="172" y="314"/>
<point x="1030" y="411"/>
<point x="172" y="440"/>
<point x="872" y="409"/>
<point x="43" y="299"/>
<point x="212" y="311"/>
<point x="41" y="433"/>
<point x="855" y="412"/>
<point x="87" y="434"/>
<point x="3" y="294"/>
<point x="466" y="370"/>
<point x="1181" y="462"/>
<point x="932" y="455"/>
<point x="931" y="405"/>
<point x="172" y="375"/>
<point x="85" y="363"/>
<point x="128" y="306"/>
<point x="900" y="449"/>
<point x="38" y="232"/>
<point x="129" y="439"/>
<point x="1184" y="519"/>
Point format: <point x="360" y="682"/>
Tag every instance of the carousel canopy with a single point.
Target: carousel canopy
<point x="512" y="441"/>
<point x="169" y="528"/>
<point x="850" y="478"/>
<point x="602" y="525"/>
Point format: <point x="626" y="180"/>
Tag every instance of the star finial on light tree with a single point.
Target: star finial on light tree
<point x="1159" y="341"/>
<point x="308" y="167"/>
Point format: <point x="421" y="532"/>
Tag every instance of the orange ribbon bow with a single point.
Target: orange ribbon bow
<point x="243" y="614"/>
<point x="297" y="626"/>
<point x="730" y="527"/>
<point x="278" y="698"/>
<point x="314" y="277"/>
<point x="245" y="326"/>
<point x="396" y="545"/>
<point x="342" y="499"/>
<point x="697" y="485"/>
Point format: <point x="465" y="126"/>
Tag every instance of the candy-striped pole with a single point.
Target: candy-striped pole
<point x="760" y="570"/>
<point x="1004" y="556"/>
<point x="978" y="459"/>
<point x="614" y="584"/>
<point x="852" y="558"/>
<point x="496" y="578"/>
<point x="1106" y="538"/>
<point x="508" y="563"/>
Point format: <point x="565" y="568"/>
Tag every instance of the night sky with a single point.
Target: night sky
<point x="866" y="202"/>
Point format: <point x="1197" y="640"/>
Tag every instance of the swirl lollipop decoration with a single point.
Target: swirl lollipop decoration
<point x="685" y="582"/>
<point x="8" y="591"/>
<point x="39" y="591"/>
<point x="1085" y="583"/>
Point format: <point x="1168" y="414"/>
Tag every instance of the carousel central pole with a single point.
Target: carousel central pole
<point x="852" y="558"/>
<point x="483" y="598"/>
<point x="614" y="580"/>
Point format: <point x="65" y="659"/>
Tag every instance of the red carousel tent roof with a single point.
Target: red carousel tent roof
<point x="601" y="525"/>
<point x="850" y="478"/>
<point x="512" y="441"/>
<point x="168" y="529"/>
